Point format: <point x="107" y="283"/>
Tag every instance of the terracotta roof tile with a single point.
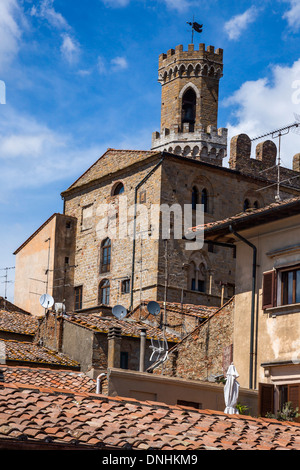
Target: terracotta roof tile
<point x="32" y="353"/>
<point x="129" y="327"/>
<point x="93" y="420"/>
<point x="16" y="322"/>
<point x="55" y="379"/>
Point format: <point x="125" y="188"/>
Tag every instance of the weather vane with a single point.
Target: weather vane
<point x="195" y="27"/>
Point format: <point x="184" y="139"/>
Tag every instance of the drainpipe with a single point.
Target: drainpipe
<point x="134" y="224"/>
<point x="254" y="265"/>
<point x="142" y="349"/>
<point x="99" y="383"/>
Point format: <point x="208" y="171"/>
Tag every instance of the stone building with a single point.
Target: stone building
<point x="120" y="253"/>
<point x="267" y="301"/>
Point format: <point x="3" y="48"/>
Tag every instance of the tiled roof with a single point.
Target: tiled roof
<point x="129" y="327"/>
<point x="31" y="415"/>
<point x="250" y="215"/>
<point x="200" y="311"/>
<point x="32" y="353"/>
<point x="20" y="323"/>
<point x="10" y="307"/>
<point x="56" y="379"/>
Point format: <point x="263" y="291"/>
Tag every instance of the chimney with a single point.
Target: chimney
<point x="142" y="349"/>
<point x="114" y="347"/>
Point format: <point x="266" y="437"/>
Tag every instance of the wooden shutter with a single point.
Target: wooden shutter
<point x="266" y="399"/>
<point x="294" y="397"/>
<point x="269" y="290"/>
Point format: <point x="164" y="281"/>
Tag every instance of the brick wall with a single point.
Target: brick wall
<point x="201" y="354"/>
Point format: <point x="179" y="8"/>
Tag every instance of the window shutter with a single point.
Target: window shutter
<point x="294" y="397"/>
<point x="266" y="399"/>
<point x="269" y="290"/>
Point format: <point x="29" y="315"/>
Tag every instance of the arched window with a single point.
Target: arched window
<point x="204" y="199"/>
<point x="105" y="256"/>
<point x="197" y="277"/>
<point x="246" y="205"/>
<point x="104" y="292"/>
<point x="256" y="205"/>
<point x="189" y="107"/>
<point x="195" y="198"/>
<point x="119" y="189"/>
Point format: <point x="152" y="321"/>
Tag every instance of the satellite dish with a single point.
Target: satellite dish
<point x="46" y="301"/>
<point x="119" y="312"/>
<point x="153" y="308"/>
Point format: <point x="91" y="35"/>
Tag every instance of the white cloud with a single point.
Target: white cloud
<point x="33" y="155"/>
<point x="116" y="3"/>
<point x="46" y="11"/>
<point x="265" y="105"/>
<point x="12" y="22"/>
<point x="239" y="23"/>
<point x="119" y="63"/>
<point x="293" y="14"/>
<point x="70" y="49"/>
<point x="179" y="5"/>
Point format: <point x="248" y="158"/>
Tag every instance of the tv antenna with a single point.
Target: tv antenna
<point x="119" y="312"/>
<point x="278" y="134"/>
<point x="6" y="282"/>
<point x="160" y="346"/>
<point x="195" y="27"/>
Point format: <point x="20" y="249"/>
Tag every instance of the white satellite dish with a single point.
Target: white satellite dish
<point x="119" y="312"/>
<point x="46" y="301"/>
<point x="153" y="308"/>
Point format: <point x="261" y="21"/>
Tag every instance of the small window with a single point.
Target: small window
<point x="67" y="260"/>
<point x="204" y="199"/>
<point x="78" y="298"/>
<point x="256" y="205"/>
<point x="195" y="198"/>
<point x="68" y="225"/>
<point x="290" y="286"/>
<point x="104" y="292"/>
<point x="124" y="360"/>
<point x="125" y="286"/>
<point x="105" y="256"/>
<point x="119" y="189"/>
<point x="246" y="205"/>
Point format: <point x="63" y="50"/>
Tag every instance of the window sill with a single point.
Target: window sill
<point x="283" y="309"/>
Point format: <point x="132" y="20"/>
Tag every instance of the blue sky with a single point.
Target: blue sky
<point x="82" y="76"/>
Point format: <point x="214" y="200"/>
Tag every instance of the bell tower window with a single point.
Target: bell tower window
<point x="189" y="108"/>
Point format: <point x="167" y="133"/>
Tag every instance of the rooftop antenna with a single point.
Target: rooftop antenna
<point x="119" y="312"/>
<point x="46" y="301"/>
<point x="6" y="282"/>
<point x="278" y="134"/>
<point x="195" y="27"/>
<point x="160" y="348"/>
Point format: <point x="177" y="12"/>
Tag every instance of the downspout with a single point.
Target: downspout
<point x="254" y="265"/>
<point x="134" y="224"/>
<point x="99" y="383"/>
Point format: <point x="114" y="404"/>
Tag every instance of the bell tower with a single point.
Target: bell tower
<point x="189" y="104"/>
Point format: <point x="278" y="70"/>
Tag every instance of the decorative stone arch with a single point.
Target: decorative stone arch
<point x="254" y="199"/>
<point x="198" y="271"/>
<point x="190" y="70"/>
<point x="201" y="183"/>
<point x="186" y="87"/>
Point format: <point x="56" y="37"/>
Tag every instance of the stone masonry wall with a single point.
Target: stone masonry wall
<point x="203" y="353"/>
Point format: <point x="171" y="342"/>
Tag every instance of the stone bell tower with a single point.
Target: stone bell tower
<point x="189" y="107"/>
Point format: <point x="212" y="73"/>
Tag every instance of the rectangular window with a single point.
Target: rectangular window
<point x="124" y="360"/>
<point x="125" y="286"/>
<point x="289" y="284"/>
<point x="78" y="298"/>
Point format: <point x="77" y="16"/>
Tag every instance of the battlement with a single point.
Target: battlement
<point x="178" y="63"/>
<point x="208" y="144"/>
<point x="264" y="163"/>
<point x="178" y="54"/>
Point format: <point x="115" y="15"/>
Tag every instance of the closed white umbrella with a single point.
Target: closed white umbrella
<point x="231" y="391"/>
